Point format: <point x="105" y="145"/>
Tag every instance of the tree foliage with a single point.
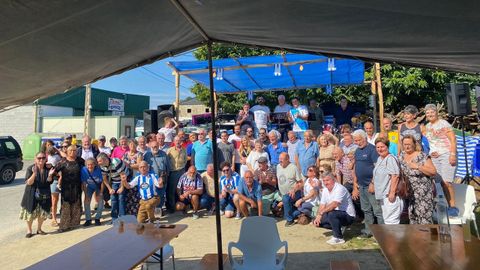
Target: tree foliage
<point x="401" y="85"/>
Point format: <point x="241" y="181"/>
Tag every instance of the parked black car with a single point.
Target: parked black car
<point x="10" y="159"/>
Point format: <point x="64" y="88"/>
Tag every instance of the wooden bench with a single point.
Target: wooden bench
<point x="344" y="265"/>
<point x="209" y="261"/>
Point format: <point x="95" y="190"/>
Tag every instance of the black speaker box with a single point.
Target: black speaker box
<point x="150" y="122"/>
<point x="161" y="115"/>
<point x="458" y="99"/>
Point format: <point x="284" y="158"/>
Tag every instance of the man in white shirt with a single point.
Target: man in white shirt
<point x="370" y="130"/>
<point x="261" y="114"/>
<point x="298" y="116"/>
<point x="336" y="209"/>
<point x="101" y="145"/>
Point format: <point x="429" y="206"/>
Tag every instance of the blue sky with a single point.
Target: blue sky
<point x="155" y="80"/>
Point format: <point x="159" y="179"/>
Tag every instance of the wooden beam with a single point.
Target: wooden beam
<point x="378" y="80"/>
<point x="205" y="70"/>
<point x="231" y="84"/>
<point x="289" y="71"/>
<point x="246" y="72"/>
<point x="177" y="96"/>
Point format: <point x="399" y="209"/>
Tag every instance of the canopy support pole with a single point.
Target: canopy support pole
<point x="86" y="116"/>
<point x="177" y="96"/>
<point x="289" y="71"/>
<point x="215" y="160"/>
<point x="378" y="80"/>
<point x="374" y="103"/>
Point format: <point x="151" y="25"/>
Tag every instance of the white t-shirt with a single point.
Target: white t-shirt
<point x="284" y="108"/>
<point x="371" y="140"/>
<point x="437" y="136"/>
<point x="308" y="187"/>
<point x="87" y="153"/>
<point x="261" y="114"/>
<point x="169" y="134"/>
<point x="236" y="141"/>
<point x="292" y="150"/>
<point x="105" y="150"/>
<point x="338" y="194"/>
<point x="253" y="157"/>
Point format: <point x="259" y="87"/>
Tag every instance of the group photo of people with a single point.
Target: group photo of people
<point x="286" y="162"/>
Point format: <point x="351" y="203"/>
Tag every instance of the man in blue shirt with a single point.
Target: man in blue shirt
<point x="306" y="153"/>
<point x="250" y="195"/>
<point x="229" y="183"/>
<point x="202" y="152"/>
<point x="343" y="114"/>
<point x="159" y="165"/>
<point x="365" y="157"/>
<point x="275" y="148"/>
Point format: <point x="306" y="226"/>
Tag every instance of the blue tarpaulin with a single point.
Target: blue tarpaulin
<point x="275" y="72"/>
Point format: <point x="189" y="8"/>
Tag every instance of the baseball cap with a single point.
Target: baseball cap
<point x="102" y="138"/>
<point x="262" y="159"/>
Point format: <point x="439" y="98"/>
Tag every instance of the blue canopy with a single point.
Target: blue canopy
<point x="275" y="72"/>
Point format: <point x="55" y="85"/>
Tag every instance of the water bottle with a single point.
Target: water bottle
<point x="442" y="216"/>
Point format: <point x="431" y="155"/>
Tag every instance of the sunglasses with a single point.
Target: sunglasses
<point x="41" y="158"/>
<point x="311" y="170"/>
<point x="226" y="170"/>
<point x="249" y="130"/>
<point x="64" y="146"/>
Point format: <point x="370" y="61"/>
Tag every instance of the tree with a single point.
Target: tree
<point x="401" y="85"/>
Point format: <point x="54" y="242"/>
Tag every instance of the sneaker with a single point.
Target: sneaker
<point x="87" y="223"/>
<point x="335" y="241"/>
<point x="343" y="229"/>
<point x="238" y="216"/>
<point x="453" y="211"/>
<point x="364" y="236"/>
<point x="289" y="223"/>
<point x="97" y="222"/>
<point x="195" y="216"/>
<point x="222" y="213"/>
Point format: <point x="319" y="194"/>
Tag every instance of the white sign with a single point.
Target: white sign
<point x="118" y="113"/>
<point x="115" y="104"/>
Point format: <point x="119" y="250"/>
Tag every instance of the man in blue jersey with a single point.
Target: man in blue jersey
<point x="146" y="183"/>
<point x="298" y="116"/>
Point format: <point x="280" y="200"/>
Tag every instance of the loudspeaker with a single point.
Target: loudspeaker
<point x="458" y="99"/>
<point x="150" y="123"/>
<point x="477" y="96"/>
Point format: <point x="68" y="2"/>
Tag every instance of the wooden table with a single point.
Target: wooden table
<point x="415" y="247"/>
<point x="122" y="247"/>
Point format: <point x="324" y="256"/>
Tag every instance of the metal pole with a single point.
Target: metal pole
<point x="215" y="161"/>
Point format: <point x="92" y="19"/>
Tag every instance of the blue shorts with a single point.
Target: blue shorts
<point x="53" y="187"/>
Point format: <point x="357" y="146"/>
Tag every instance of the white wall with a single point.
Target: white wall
<point x="18" y="122"/>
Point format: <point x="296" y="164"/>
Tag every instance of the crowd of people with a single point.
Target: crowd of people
<point x="304" y="173"/>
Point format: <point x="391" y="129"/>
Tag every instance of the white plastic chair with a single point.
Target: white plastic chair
<point x="465" y="201"/>
<point x="259" y="242"/>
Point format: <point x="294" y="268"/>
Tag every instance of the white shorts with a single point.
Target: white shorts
<point x="391" y="211"/>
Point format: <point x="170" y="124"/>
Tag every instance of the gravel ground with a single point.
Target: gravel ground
<point x="307" y="247"/>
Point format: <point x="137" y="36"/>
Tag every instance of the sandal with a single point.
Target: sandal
<point x="54" y="223"/>
<point x="29" y="235"/>
<point x="41" y="232"/>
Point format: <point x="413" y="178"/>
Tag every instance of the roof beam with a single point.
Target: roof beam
<point x="230" y="83"/>
<point x="190" y="19"/>
<point x="289" y="71"/>
<point x="205" y="70"/>
<point x="248" y="73"/>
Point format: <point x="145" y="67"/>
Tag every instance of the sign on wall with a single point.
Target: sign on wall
<point x="115" y="104"/>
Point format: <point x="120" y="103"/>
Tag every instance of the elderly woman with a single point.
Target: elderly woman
<point x="410" y="126"/>
<point x="132" y="197"/>
<point x="385" y="181"/>
<point x="36" y="201"/>
<point x="92" y="183"/>
<point x="325" y="151"/>
<point x="443" y="150"/>
<point x="419" y="169"/>
<point x="257" y="152"/>
<point x="120" y="150"/>
<point x="69" y="181"/>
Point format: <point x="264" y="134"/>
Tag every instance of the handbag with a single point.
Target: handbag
<point x="403" y="186"/>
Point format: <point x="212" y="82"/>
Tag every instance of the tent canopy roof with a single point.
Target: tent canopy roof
<point x="49" y="46"/>
<point x="259" y="73"/>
